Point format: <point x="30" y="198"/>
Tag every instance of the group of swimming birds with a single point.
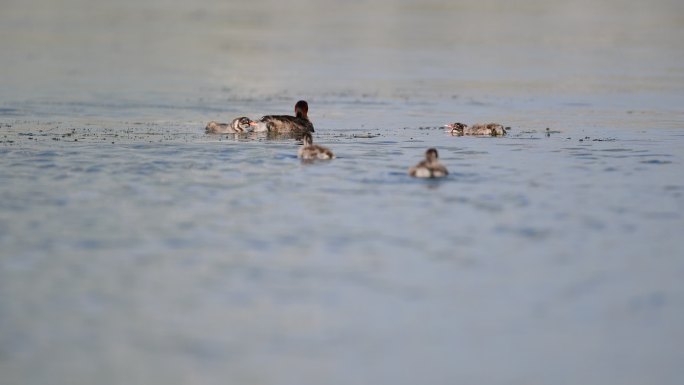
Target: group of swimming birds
<point x="301" y="126"/>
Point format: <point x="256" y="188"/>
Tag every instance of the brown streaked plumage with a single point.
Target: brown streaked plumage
<point x="430" y="167"/>
<point x="310" y="151"/>
<point x="489" y="129"/>
<point x="299" y="123"/>
<point x="237" y="126"/>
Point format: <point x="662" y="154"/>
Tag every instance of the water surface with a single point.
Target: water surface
<point x="136" y="249"/>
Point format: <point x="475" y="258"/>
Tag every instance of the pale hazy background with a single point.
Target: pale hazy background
<point x="154" y="52"/>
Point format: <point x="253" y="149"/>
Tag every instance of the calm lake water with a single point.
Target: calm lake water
<point x="135" y="249"/>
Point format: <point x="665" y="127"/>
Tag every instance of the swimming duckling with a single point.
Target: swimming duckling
<point x="430" y="167"/>
<point x="310" y="151"/>
<point x="237" y="126"/>
<point x="489" y="129"/>
<point x="299" y="123"/>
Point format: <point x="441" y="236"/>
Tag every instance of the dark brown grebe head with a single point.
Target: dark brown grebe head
<point x="301" y="109"/>
<point x="431" y="155"/>
<point x="307" y="139"/>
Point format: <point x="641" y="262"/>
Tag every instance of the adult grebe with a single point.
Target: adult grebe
<point x="299" y="123"/>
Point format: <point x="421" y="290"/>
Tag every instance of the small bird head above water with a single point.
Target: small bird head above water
<point x="431" y="155"/>
<point x="301" y="109"/>
<point x="456" y="128"/>
<point x="307" y="139"/>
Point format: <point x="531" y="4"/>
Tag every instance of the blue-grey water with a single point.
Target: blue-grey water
<point x="135" y="249"/>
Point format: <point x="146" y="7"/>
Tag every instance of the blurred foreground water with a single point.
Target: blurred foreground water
<point x="136" y="249"/>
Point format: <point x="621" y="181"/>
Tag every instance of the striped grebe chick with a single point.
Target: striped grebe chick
<point x="299" y="123"/>
<point x="310" y="151"/>
<point x="488" y="129"/>
<point x="430" y="167"/>
<point x="237" y="126"/>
